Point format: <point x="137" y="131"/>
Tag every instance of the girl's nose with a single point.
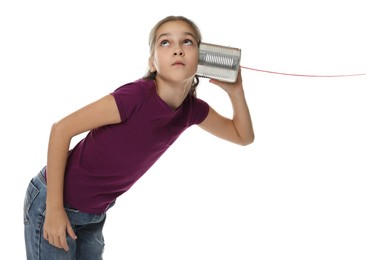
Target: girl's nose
<point x="178" y="52"/>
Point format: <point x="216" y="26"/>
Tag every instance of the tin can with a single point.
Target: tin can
<point x="218" y="62"/>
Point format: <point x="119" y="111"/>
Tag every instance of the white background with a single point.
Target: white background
<point x="297" y="192"/>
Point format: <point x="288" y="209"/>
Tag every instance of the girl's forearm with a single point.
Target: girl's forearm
<point x="241" y="118"/>
<point x="56" y="161"/>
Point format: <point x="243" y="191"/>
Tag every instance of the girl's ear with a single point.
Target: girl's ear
<point x="151" y="65"/>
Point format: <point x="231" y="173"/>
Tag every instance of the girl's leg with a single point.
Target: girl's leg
<point x="34" y="211"/>
<point x="88" y="228"/>
<point x="90" y="241"/>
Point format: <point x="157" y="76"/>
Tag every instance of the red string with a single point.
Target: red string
<point x="305" y="75"/>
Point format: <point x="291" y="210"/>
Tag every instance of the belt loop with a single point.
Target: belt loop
<point x="41" y="175"/>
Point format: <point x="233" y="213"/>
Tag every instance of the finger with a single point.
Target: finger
<point x="53" y="242"/>
<point x="71" y="232"/>
<point x="63" y="243"/>
<point x="214" y="81"/>
<point x="45" y="235"/>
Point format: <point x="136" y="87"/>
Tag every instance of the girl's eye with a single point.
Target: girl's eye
<point x="188" y="42"/>
<point x="164" y="43"/>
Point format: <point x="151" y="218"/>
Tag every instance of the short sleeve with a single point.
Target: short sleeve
<point x="200" y="110"/>
<point x="129" y="99"/>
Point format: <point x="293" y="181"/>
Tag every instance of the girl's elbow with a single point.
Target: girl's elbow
<point x="56" y="127"/>
<point x="59" y="131"/>
<point x="247" y="140"/>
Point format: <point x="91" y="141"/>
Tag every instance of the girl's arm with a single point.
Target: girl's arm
<point x="239" y="129"/>
<point x="99" y="113"/>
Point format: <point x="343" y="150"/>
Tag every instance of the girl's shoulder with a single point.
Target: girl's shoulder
<point x="132" y="96"/>
<point x="136" y="86"/>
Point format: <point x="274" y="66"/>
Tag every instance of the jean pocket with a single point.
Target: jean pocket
<point x="31" y="194"/>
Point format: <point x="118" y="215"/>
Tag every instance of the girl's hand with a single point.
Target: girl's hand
<point x="235" y="88"/>
<point x="55" y="227"/>
<point x="239" y="129"/>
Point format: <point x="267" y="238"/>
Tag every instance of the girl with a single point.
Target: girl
<point x="129" y="129"/>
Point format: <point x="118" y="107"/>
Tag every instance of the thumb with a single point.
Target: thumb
<point x="70" y="231"/>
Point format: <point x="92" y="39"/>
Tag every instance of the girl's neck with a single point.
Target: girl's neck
<point x="172" y="93"/>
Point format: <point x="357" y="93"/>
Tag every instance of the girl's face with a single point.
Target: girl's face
<point x="175" y="55"/>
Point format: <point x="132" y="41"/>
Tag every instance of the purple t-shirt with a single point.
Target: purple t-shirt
<point x="110" y="159"/>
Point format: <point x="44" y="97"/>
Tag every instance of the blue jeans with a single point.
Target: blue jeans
<point x="88" y="228"/>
